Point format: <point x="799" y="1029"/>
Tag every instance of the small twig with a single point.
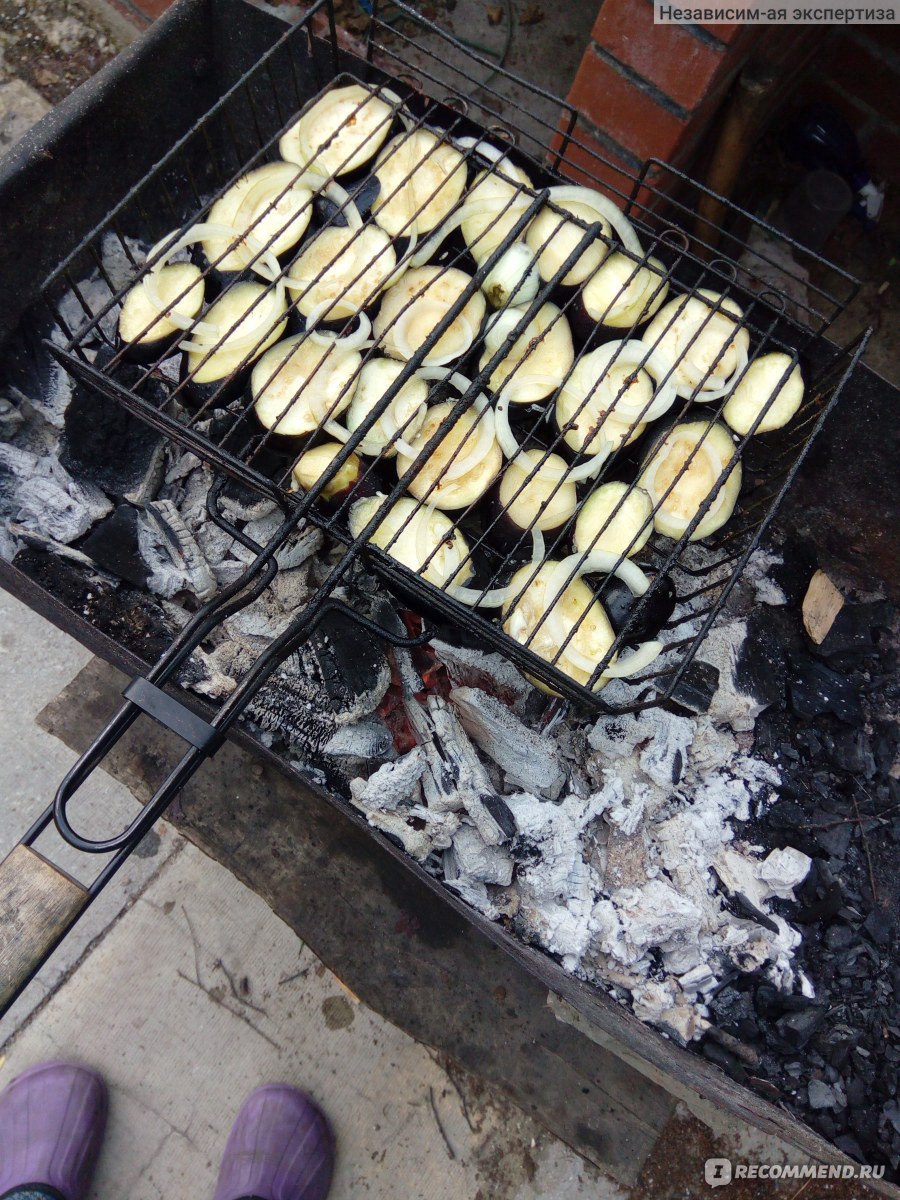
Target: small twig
<point x="301" y="974"/>
<point x="802" y="1188"/>
<point x="210" y="994"/>
<point x="234" y="988"/>
<point x="196" y="945"/>
<point x="437" y="1121"/>
<point x="865" y="842"/>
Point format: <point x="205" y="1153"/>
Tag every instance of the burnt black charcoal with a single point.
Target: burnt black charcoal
<point x="855" y="627"/>
<point x="878" y="926"/>
<point x="851" y="751"/>
<point x="619" y="602"/>
<point x="694" y="691"/>
<point x="105" y="445"/>
<point x="848" y="1144"/>
<point x="796" y="1028"/>
<point x="768" y="1001"/>
<point x="761" y="665"/>
<point x="748" y="909"/>
<point x="721" y="1057"/>
<point x="113" y="544"/>
<point x="839" y="937"/>
<point x="731" y="1006"/>
<point x="350" y="664"/>
<point x="814" y="689"/>
<point x="799" y="562"/>
<point x="835" y="840"/>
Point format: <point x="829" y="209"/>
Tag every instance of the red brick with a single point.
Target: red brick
<point x="867" y="77"/>
<point x="724" y="33"/>
<point x="624" y="111"/>
<point x="669" y="56"/>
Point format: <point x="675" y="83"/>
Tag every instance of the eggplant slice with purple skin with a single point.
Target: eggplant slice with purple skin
<point x="620" y="295"/>
<point x="341" y="271"/>
<point x="342" y="131"/>
<point x="770" y="388"/>
<point x="462" y="466"/>
<point x="494" y="204"/>
<point x="412" y="307"/>
<point x="300" y="386"/>
<point x="247" y="318"/>
<point x="682" y="470"/>
<point x="312" y="465"/>
<point x="534" y="493"/>
<point x="545" y="630"/>
<point x="144" y="329"/>
<point x="423" y="540"/>
<point x="270" y="204"/>
<point x="538" y="360"/>
<point x="702" y="339"/>
<point x="421" y="180"/>
<point x="616" y="519"/>
<point x="590" y="403"/>
<point x="402" y="418"/>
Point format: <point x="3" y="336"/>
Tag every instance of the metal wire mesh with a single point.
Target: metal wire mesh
<point x="465" y="478"/>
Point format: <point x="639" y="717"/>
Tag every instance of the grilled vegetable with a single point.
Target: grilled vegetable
<point x="302" y="384"/>
<point x="552" y="239"/>
<point x="707" y="348"/>
<point x="244" y="321"/>
<point x="622" y="294"/>
<point x="682" y="470"/>
<point x="616" y="519"/>
<point x="545" y="630"/>
<point x="412" y="308"/>
<point x="619" y="602"/>
<point x="602" y="402"/>
<point x="539" y="359"/>
<point x="424" y="541"/>
<point x="404" y="415"/>
<point x="144" y="326"/>
<point x="494" y="203"/>
<point x="341" y="271"/>
<point x="269" y="204"/>
<point x="342" y="131"/>
<point x="312" y="465"/>
<point x="464" y="464"/>
<point x="421" y="179"/>
<point x="513" y="279"/>
<point x="770" y="387"/>
<point x="535" y="493"/>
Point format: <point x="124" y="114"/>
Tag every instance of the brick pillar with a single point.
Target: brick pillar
<point x="652" y="91"/>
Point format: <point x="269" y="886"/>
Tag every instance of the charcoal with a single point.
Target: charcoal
<point x="796" y="1028"/>
<point x="723" y="1058"/>
<point x="761" y="666"/>
<point x="105" y="445"/>
<point x="113" y="544"/>
<point x="814" y="689"/>
<point x="878" y="927"/>
<point x="839" y="937"/>
<point x="10" y="419"/>
<point x="529" y="760"/>
<point x="350" y="665"/>
<point x="37" y="492"/>
<point x="695" y="690"/>
<point x="799" y="560"/>
<point x="848" y="1145"/>
<point x="854" y="628"/>
<point x="851" y="751"/>
<point x="821" y="1095"/>
<point x="836" y="840"/>
<point x="31" y="371"/>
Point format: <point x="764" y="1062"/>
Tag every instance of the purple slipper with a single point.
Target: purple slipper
<point x="280" y="1148"/>
<point x="52" y="1118"/>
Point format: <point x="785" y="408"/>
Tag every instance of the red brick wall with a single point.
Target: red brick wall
<point x="654" y="91"/>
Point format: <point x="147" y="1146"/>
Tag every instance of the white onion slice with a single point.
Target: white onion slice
<point x="638" y="660"/>
<point x="639" y="355"/>
<point x="472" y="208"/>
<point x="572" y="568"/>
<point x="486" y="424"/>
<point x="323" y="337"/>
<point x="506" y="440"/>
<point x="461" y="325"/>
<point x="648" y="481"/>
<point x="340" y="198"/>
<point x="605" y="207"/>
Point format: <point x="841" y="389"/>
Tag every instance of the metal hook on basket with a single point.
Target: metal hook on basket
<point x="503" y="133"/>
<point x="724" y="267"/>
<point x="774" y="299"/>
<point x="676" y="238"/>
<point x="457" y="104"/>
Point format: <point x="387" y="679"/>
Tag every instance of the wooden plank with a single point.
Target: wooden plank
<point x="38" y="904"/>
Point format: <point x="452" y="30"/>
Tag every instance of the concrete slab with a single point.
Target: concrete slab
<point x="20" y="107"/>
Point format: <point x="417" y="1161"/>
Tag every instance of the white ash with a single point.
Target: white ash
<point x="39" y="494"/>
<point x="393" y="784"/>
<point x="756" y="574"/>
<point x="528" y="759"/>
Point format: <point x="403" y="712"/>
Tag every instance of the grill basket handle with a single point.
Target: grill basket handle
<point x="39" y="903"/>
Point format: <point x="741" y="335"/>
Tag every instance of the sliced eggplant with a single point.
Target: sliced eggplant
<point x="426" y="542"/>
<point x="615" y="519"/>
<point x="494" y="204"/>
<point x="513" y="279"/>
<point x="412" y="307"/>
<point x="589" y="408"/>
<point x="341" y="271"/>
<point x="269" y="204"/>
<point x="464" y="464"/>
<point x="552" y="239"/>
<point x="622" y="294"/>
<point x="619" y="602"/>
<point x="689" y="460"/>
<point x="246" y="319"/>
<point x="342" y="131"/>
<point x="706" y="348"/>
<point x="421" y="178"/>
<point x="769" y="387"/>
<point x="539" y="359"/>
<point x="545" y="631"/>
<point x="301" y="385"/>
<point x="535" y="492"/>
<point x="312" y="465"/>
<point x="404" y="415"/>
<point x="144" y="327"/>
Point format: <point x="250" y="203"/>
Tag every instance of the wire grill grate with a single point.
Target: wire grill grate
<point x="555" y="375"/>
